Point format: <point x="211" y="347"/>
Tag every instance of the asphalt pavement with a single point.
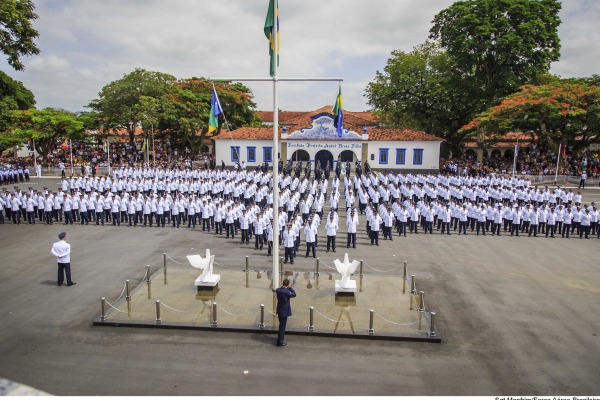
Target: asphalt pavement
<point x="517" y="316"/>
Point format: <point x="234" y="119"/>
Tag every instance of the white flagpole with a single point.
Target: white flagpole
<point x="71" y="148"/>
<point x="108" y="153"/>
<point x="275" y="152"/>
<point x="35" y="158"/>
<point x="515" y="158"/>
<point x="557" y="164"/>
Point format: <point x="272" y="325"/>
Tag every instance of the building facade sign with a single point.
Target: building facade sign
<point x="325" y="145"/>
<point x="322" y="129"/>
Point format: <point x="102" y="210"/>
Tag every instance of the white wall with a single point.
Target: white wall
<point x="223" y="151"/>
<point x="431" y="154"/>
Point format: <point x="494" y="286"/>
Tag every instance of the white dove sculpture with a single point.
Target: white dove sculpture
<point x="207" y="278"/>
<point x="345" y="268"/>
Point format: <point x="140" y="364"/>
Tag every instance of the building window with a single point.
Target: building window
<point x="400" y="156"/>
<point x="383" y="156"/>
<point x="418" y="157"/>
<point x="267" y="154"/>
<point x="235" y="153"/>
<point x="251" y="153"/>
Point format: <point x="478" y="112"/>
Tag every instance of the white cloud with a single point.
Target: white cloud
<point x="86" y="44"/>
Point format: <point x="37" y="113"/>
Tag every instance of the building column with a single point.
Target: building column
<point x="365" y="152"/>
<point x="283" y="151"/>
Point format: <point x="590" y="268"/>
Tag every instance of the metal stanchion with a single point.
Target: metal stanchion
<point x="103" y="308"/>
<point x="421" y="309"/>
<point x="148" y="281"/>
<point x="311" y="326"/>
<point x="165" y="266"/>
<point x="280" y="278"/>
<point x="371" y="317"/>
<point x="247" y="263"/>
<point x="361" y="268"/>
<point x="317" y="267"/>
<point x="432" y="324"/>
<point x="128" y="297"/>
<point x="158" y="320"/>
<point x="247" y="278"/>
<point x="214" y="322"/>
<point x="413" y="291"/>
<point x="262" y="317"/>
<point x="404" y="279"/>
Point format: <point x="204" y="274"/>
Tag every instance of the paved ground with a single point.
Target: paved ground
<point x="518" y="316"/>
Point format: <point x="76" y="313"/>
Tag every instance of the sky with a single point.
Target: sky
<point x="86" y="44"/>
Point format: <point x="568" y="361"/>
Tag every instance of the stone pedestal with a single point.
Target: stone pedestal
<point x="208" y="286"/>
<point x="348" y="290"/>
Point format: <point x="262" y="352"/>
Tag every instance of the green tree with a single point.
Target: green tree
<point x="15" y="92"/>
<point x="121" y="102"/>
<point x="47" y="127"/>
<point x="500" y="44"/>
<point x="13" y="96"/>
<point x="559" y="112"/>
<point x="184" y="112"/>
<point x="16" y="32"/>
<point x="423" y="90"/>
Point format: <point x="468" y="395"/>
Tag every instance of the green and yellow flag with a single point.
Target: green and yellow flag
<point x="215" y="110"/>
<point x="271" y="22"/>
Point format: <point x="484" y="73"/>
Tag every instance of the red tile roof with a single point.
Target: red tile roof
<point x="295" y="120"/>
<point x="374" y="134"/>
<point x="247" y="133"/>
<point x="382" y="134"/>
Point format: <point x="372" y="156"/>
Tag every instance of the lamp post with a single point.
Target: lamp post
<point x="153" y="152"/>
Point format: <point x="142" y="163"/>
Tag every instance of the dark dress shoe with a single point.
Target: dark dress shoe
<point x="72" y="283"/>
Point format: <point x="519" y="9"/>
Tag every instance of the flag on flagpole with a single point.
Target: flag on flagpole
<point x="271" y="21"/>
<point x="215" y="110"/>
<point x="564" y="152"/>
<point x="338" y="113"/>
<point x="65" y="145"/>
<point x="517" y="149"/>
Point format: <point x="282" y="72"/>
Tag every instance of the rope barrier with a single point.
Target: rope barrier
<point x="176" y="262"/>
<point x="325" y="264"/>
<point x="233" y="315"/>
<point x="224" y="266"/>
<point x="332" y="320"/>
<point x="378" y="270"/>
<point x="121" y="295"/>
<point x="399" y="324"/>
<point x="111" y="306"/>
<point x="171" y="308"/>
<point x="270" y="312"/>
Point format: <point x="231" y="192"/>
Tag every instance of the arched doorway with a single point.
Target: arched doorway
<point x="300" y="155"/>
<point x="324" y="156"/>
<point x="509" y="154"/>
<point x="347" y="156"/>
<point x="496" y="153"/>
<point x="470" y="153"/>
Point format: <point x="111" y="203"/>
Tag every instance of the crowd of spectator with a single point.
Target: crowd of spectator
<point x="528" y="162"/>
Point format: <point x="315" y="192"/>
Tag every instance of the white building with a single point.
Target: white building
<point x="312" y="136"/>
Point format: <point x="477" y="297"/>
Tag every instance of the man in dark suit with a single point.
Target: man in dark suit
<point x="284" y="309"/>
